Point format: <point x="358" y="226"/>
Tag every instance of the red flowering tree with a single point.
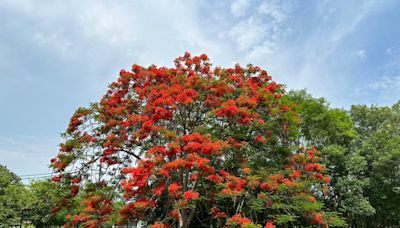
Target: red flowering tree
<point x="192" y="145"/>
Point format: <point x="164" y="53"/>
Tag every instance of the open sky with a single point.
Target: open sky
<point x="58" y="55"/>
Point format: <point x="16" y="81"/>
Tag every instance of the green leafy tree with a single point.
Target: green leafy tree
<point x="381" y="150"/>
<point x="321" y="125"/>
<point x="13" y="197"/>
<point x="46" y="196"/>
<point x="338" y="136"/>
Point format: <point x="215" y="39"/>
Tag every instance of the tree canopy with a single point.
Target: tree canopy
<point x="193" y="145"/>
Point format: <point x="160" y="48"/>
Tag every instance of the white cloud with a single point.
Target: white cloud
<point x="360" y="54"/>
<point x="385" y="89"/>
<point x="277" y="12"/>
<point x="248" y="33"/>
<point x="392" y="50"/>
<point x="109" y="22"/>
<point x="259" y="31"/>
<point x="394" y="59"/>
<point x="315" y="62"/>
<point x="385" y="83"/>
<point x="63" y="47"/>
<point x="239" y="7"/>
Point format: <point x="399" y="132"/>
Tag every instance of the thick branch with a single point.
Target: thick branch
<point x="131" y="153"/>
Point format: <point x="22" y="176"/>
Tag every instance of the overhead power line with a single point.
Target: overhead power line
<point x="38" y="174"/>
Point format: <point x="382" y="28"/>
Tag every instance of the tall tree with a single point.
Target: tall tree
<point x="193" y="145"/>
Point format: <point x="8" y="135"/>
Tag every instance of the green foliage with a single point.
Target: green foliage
<point x="381" y="150"/>
<point x="308" y="206"/>
<point x="46" y="196"/>
<point x="361" y="151"/>
<point x="7" y="178"/>
<point x="368" y="120"/>
<point x="13" y="198"/>
<point x="39" y="196"/>
<point x="334" y="220"/>
<point x="320" y="124"/>
<point x="284" y="218"/>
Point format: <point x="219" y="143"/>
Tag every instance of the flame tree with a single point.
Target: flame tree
<point x="192" y="146"/>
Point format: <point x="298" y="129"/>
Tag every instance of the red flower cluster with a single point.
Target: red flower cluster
<point x="96" y="210"/>
<point x="269" y="224"/>
<point x="315" y="167"/>
<point x="238" y="219"/>
<point x="191" y="195"/>
<point x="174" y="189"/>
<point x="56" y="179"/>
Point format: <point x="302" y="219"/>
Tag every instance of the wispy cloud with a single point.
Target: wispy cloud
<point x="386" y="89"/>
<point x="28" y="154"/>
<point x="360" y="54"/>
<point x="239" y="7"/>
<point x="393" y="63"/>
<point x="260" y="27"/>
<point x="386" y="83"/>
<point x="386" y="86"/>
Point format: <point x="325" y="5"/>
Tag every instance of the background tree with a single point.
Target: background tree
<point x="321" y="125"/>
<point x="380" y="129"/>
<point x="368" y="120"/>
<point x="360" y="150"/>
<point x="333" y="131"/>
<point x="13" y="198"/>
<point x="46" y="195"/>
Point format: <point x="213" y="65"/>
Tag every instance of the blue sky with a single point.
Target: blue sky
<point x="58" y="55"/>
